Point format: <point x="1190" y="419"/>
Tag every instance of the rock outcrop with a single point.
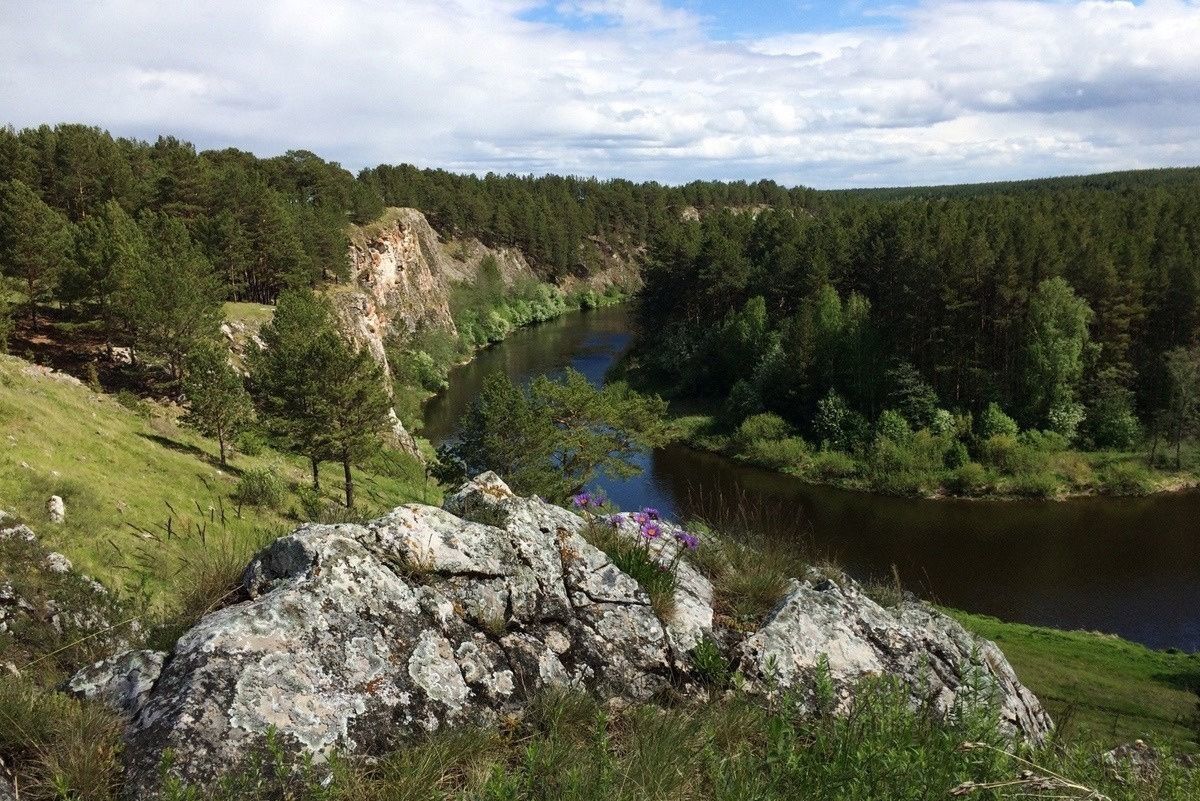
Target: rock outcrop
<point x="352" y="638"/>
<point x="47" y="607"/>
<point x="831" y="625"/>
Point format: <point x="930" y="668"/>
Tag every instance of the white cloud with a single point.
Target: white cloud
<point x="956" y="91"/>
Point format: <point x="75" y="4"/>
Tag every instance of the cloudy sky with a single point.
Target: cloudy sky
<point x="827" y="94"/>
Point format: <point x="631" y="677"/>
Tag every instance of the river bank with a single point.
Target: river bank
<point x="1029" y="469"/>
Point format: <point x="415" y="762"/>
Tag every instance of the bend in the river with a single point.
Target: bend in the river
<point x="1123" y="566"/>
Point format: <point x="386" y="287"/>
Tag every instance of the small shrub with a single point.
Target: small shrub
<point x="968" y="480"/>
<point x="251" y="442"/>
<point x="995" y="423"/>
<point x="792" y="453"/>
<point x="260" y="487"/>
<point x="1035" y="485"/>
<point x="891" y="424"/>
<point x="1127" y="478"/>
<point x="133" y="403"/>
<point x="833" y="465"/>
<point x="956" y="455"/>
<point x="708" y="663"/>
<point x="766" y="426"/>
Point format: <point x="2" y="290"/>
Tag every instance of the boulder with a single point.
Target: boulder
<point x="829" y="625"/>
<point x="351" y="637"/>
<point x="56" y="508"/>
<point x="354" y="637"/>
<point x="123" y="680"/>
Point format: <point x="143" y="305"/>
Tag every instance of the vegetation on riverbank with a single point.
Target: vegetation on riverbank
<point x="923" y="463"/>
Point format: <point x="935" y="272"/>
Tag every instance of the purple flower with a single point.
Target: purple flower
<point x="598" y="500"/>
<point x="651" y="513"/>
<point x="582" y="500"/>
<point x="641" y="518"/>
<point x="687" y="539"/>
<point x="651" y="530"/>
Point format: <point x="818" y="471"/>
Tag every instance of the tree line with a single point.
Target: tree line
<point x="1071" y="303"/>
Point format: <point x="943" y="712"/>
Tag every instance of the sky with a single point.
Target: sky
<point x="836" y="94"/>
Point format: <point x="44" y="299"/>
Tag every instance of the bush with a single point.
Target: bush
<point x="1039" y="484"/>
<point x="944" y="424"/>
<point x="833" y="464"/>
<point x="995" y="423"/>
<point x="969" y="479"/>
<point x="765" y="426"/>
<point x="791" y="452"/>
<point x="956" y="455"/>
<point x="251" y="442"/>
<point x="1064" y="418"/>
<point x="1127" y="478"/>
<point x="260" y="488"/>
<point x="891" y="424"/>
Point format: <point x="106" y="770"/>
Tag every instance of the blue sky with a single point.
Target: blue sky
<point x="835" y="94"/>
<point x="729" y="19"/>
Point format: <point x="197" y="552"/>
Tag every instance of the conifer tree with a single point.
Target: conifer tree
<point x="218" y="404"/>
<point x="35" y="241"/>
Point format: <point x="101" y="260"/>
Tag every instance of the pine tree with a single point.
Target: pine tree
<point x="174" y="300"/>
<point x="218" y="404"/>
<point x="352" y="403"/>
<point x="35" y="242"/>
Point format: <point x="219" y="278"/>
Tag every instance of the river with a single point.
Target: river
<point x="1122" y="566"/>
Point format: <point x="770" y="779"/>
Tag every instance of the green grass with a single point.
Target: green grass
<point x="254" y="315"/>
<point x="1098" y="686"/>
<point x="127" y="475"/>
<point x="732" y="748"/>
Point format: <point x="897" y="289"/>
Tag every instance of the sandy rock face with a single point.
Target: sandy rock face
<point x="352" y="638"/>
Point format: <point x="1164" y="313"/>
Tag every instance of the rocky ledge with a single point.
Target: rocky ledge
<point x="351" y="638"/>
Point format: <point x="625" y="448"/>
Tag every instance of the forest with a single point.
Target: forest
<point x="1061" y="314"/>
<point x="1065" y="307"/>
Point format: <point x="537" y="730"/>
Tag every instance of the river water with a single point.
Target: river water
<point x="1122" y="566"/>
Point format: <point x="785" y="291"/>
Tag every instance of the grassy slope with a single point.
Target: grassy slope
<point x="118" y="469"/>
<point x="1098" y="686"/>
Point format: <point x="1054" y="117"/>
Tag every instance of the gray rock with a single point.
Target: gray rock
<point x="6" y="790"/>
<point x="353" y="637"/>
<point x="56" y="509"/>
<point x="123" y="681"/>
<point x="822" y="620"/>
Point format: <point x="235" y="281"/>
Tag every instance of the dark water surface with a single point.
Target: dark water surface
<point x="1125" y="566"/>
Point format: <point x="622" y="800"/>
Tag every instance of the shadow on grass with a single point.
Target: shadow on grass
<point x="192" y="450"/>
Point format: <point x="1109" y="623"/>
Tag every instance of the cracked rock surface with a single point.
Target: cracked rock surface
<point x="351" y="638"/>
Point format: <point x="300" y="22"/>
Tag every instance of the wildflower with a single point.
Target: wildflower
<point x="641" y="518"/>
<point x="582" y="500"/>
<point x="651" y="530"/>
<point x="687" y="539"/>
<point x="597" y="500"/>
<point x="651" y="513"/>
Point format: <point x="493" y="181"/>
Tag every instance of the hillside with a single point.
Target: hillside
<point x="146" y="500"/>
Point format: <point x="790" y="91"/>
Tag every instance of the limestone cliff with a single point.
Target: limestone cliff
<point x="402" y="271"/>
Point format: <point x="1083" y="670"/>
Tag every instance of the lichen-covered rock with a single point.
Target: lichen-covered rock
<point x="830" y="625"/>
<point x="353" y="637"/>
<point x="123" y="680"/>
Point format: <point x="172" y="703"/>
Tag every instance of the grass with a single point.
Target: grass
<point x="147" y="500"/>
<point x="1098" y="686"/>
<point x="572" y="747"/>
<point x="254" y="315"/>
